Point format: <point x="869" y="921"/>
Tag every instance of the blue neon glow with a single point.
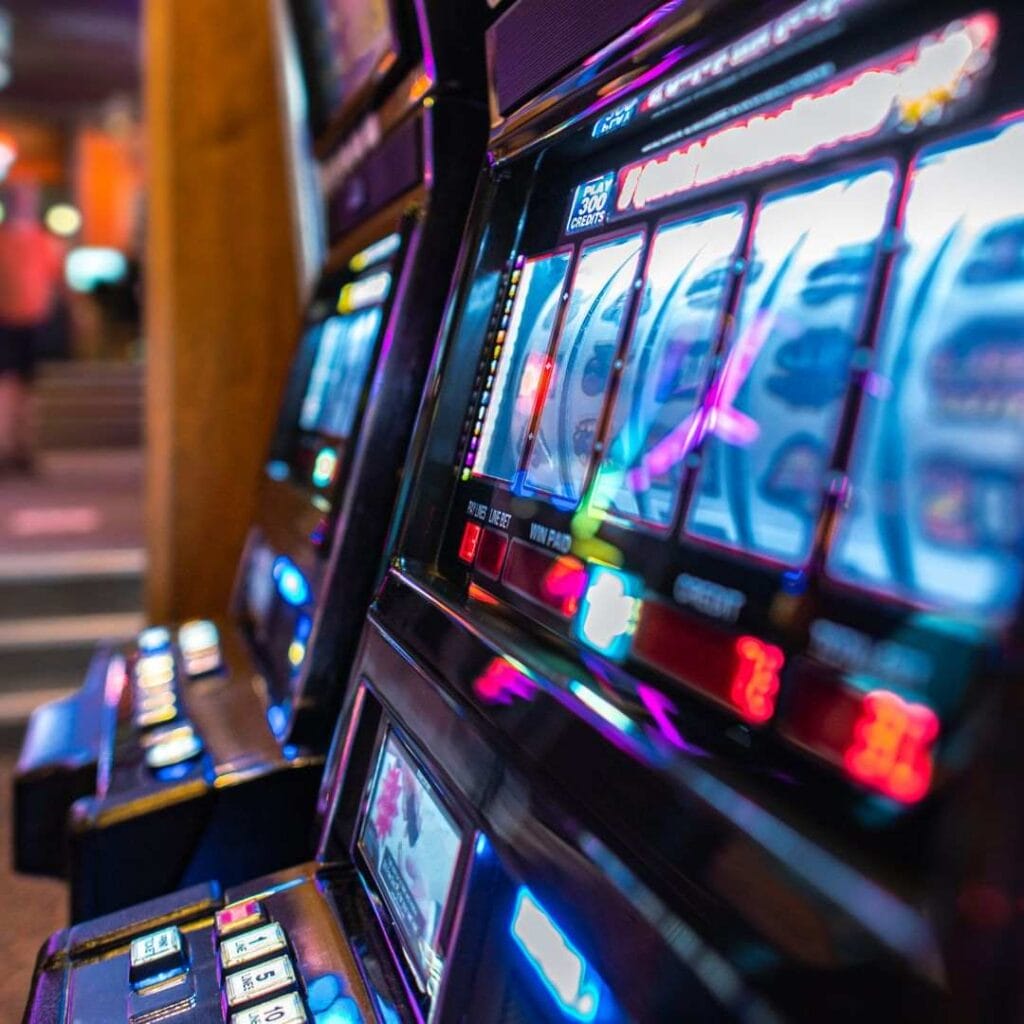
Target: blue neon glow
<point x="609" y="610"/>
<point x="563" y="970"/>
<point x="277" y="470"/>
<point x="303" y="627"/>
<point x="277" y="718"/>
<point x="291" y="584"/>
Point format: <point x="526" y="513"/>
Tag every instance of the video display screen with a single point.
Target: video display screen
<point x="412" y="847"/>
<point x="339" y="372"/>
<point x="585" y="353"/>
<point x="520" y="370"/>
<point x="771" y="416"/>
<point x="689" y="273"/>
<point x="937" y="502"/>
<point x="359" y="33"/>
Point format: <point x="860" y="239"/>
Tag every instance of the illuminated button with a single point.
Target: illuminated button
<point x="609" y="610"/>
<point x="236" y="917"/>
<point x="256" y="982"/>
<point x="164" y="734"/>
<point x="153" y="640"/>
<point x="470" y="541"/>
<point x="157" y="953"/>
<point x="174" y="750"/>
<point x="161" y="714"/>
<point x="291" y="584"/>
<point x="285" y="1009"/>
<point x="200" y="647"/>
<point x="246" y="947"/>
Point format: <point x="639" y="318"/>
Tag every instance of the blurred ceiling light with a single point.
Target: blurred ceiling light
<point x="63" y="219"/>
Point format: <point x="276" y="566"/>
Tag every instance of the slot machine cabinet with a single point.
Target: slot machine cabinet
<point x="165" y="768"/>
<point x="715" y="753"/>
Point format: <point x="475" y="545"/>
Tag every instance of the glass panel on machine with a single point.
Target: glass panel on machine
<point x="937" y="511"/>
<point x="412" y="847"/>
<point x="771" y="417"/>
<point x="669" y="358"/>
<point x="520" y="367"/>
<point x="586" y="350"/>
<point x="360" y="35"/>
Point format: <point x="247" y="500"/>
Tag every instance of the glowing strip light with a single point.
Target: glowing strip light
<point x="376" y="253"/>
<point x="562" y="969"/>
<point x="775" y="34"/>
<point x="369" y="291"/>
<point x="911" y="88"/>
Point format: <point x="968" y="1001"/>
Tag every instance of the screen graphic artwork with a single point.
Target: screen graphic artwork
<point x="689" y="274"/>
<point x="772" y="414"/>
<point x="412" y="848"/>
<point x="936" y="509"/>
<point x="585" y="354"/>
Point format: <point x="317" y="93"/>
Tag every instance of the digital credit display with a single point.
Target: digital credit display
<point x="412" y="847"/>
<point x="689" y="274"/>
<point x="936" y="512"/>
<point x="339" y="372"/>
<point x="584" y="356"/>
<point x="771" y="417"/>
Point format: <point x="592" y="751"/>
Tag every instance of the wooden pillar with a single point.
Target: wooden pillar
<point x="221" y="288"/>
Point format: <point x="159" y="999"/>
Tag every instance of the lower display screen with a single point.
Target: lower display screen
<point x="412" y="848"/>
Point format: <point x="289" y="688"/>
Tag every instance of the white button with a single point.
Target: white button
<point x="249" y="946"/>
<point x="155" y="638"/>
<point x="161" y="945"/>
<point x="174" y="750"/>
<point x="157" y="716"/>
<point x="286" y="1009"/>
<point x="261" y="980"/>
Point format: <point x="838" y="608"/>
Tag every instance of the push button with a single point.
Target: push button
<point x="200" y="647"/>
<point x="250" y="946"/>
<point x="236" y="917"/>
<point x="155" y="954"/>
<point x="256" y="982"/>
<point x="286" y="1009"/>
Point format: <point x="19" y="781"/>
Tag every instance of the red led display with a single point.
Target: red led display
<point x="741" y="673"/>
<point x="555" y="581"/>
<point x="470" y="541"/>
<point x="879" y="739"/>
<point x="490" y="555"/>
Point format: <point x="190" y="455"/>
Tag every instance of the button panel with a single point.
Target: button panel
<point x="254" y="983"/>
<point x="246" y="947"/>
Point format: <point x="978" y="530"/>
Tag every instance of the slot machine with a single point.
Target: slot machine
<point x="688" y="692"/>
<point x="166" y="766"/>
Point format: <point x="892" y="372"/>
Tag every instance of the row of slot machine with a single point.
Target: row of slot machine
<point x="630" y="628"/>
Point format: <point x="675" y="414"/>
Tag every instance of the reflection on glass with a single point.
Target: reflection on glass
<point x="564" y="444"/>
<point x="937" y="512"/>
<point x="339" y="372"/>
<point x="772" y="414"/>
<point x="688" y="277"/>
<point x="520" y="369"/>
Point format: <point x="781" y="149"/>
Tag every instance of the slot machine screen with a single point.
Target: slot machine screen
<point x="936" y="512"/>
<point x="360" y="33"/>
<point x="411" y="845"/>
<point x="339" y="372"/>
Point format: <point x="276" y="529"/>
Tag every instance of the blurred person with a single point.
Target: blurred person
<point x="31" y="270"/>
